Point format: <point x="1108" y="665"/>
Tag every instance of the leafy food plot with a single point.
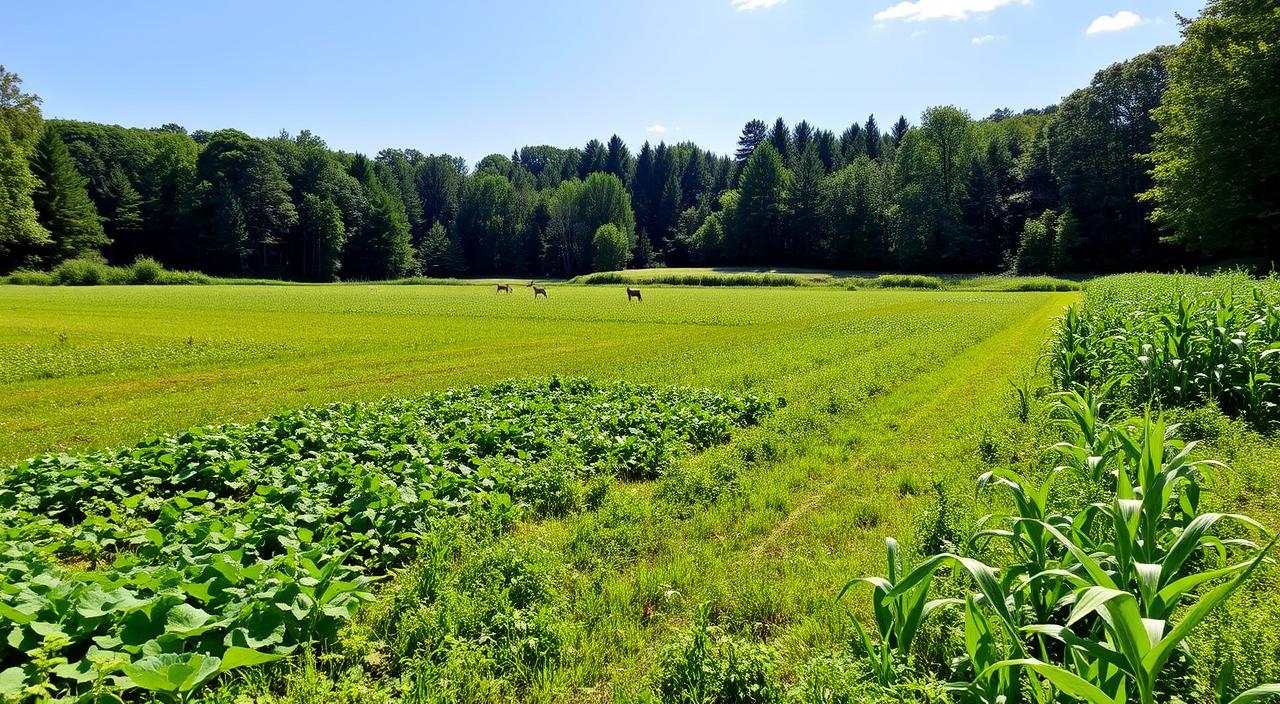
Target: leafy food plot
<point x="161" y="565"/>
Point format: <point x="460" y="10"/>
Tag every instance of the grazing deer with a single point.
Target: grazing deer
<point x="538" y="291"/>
<point x="634" y="293"/>
<point x="504" y="288"/>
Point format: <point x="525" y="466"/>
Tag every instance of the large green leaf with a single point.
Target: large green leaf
<point x="1259" y="693"/>
<point x="245" y="657"/>
<point x="172" y="672"/>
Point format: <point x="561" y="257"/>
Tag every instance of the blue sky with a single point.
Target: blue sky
<point x="482" y="76"/>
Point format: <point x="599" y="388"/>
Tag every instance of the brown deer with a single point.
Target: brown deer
<point x="634" y="293"/>
<point x="504" y="288"/>
<point x="538" y="291"/>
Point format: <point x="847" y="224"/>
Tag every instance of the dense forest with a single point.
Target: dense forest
<point x="1160" y="160"/>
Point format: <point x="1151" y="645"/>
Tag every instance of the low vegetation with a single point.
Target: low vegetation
<point x="94" y="271"/>
<point x="714" y="575"/>
<point x="160" y="565"/>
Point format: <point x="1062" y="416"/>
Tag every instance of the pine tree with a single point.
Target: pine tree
<point x="828" y="151"/>
<point x="62" y="200"/>
<point x="455" y="261"/>
<point x="801" y="137"/>
<point x="762" y="206"/>
<point x="872" y="132"/>
<point x="804" y="200"/>
<point x="594" y="158"/>
<point x="695" y="182"/>
<point x="852" y="143"/>
<point x="618" y="159"/>
<point x="643" y="195"/>
<point x="753" y="134"/>
<point x="780" y="138"/>
<point x="123" y="216"/>
<point x="434" y="250"/>
<point x="900" y="130"/>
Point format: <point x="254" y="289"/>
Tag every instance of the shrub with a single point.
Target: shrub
<point x="906" y="281"/>
<point x="84" y="271"/>
<point x="611" y="248"/>
<point x="145" y="270"/>
<point x="30" y="278"/>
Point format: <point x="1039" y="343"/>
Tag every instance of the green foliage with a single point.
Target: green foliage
<point x="198" y="546"/>
<point x="62" y="201"/>
<point x="1197" y="341"/>
<point x="756" y="229"/>
<point x="610" y="249"/>
<point x="1215" y="171"/>
<point x="323" y="236"/>
<point x="21" y="234"/>
<point x="1092" y="602"/>
<point x="1097" y="137"/>
<point x="706" y="666"/>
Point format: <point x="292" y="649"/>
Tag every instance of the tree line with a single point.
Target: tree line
<point x="1161" y="158"/>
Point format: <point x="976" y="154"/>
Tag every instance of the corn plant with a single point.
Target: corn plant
<point x="1091" y="604"/>
<point x="1182" y="350"/>
<point x="898" y="618"/>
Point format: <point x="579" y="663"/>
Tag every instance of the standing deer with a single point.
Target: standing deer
<point x="504" y="288"/>
<point x="634" y="293"/>
<point x="538" y="291"/>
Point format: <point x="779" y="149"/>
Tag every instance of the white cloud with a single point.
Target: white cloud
<point x="918" y="33"/>
<point x="656" y="129"/>
<point x="986" y="39"/>
<point x="920" y="10"/>
<point x="749" y="5"/>
<point x="1118" y="22"/>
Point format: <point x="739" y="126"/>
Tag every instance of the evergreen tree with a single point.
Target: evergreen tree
<point x="853" y="143"/>
<point x="756" y="228"/>
<point x="434" y="250"/>
<point x="62" y="201"/>
<point x="696" y="179"/>
<point x="804" y="201"/>
<point x="899" y="130"/>
<point x="780" y="138"/>
<point x="801" y="138"/>
<point x="618" y="159"/>
<point x="753" y="134"/>
<point x="644" y="192"/>
<point x="123" y="213"/>
<point x="455" y="261"/>
<point x="594" y="158"/>
<point x="871" y="132"/>
<point x="829" y="151"/>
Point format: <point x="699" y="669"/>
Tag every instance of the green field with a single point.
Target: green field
<point x="896" y="400"/>
<point x="107" y="365"/>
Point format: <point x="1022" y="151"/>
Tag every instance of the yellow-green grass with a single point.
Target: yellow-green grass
<point x="128" y="361"/>
<point x="888" y="391"/>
